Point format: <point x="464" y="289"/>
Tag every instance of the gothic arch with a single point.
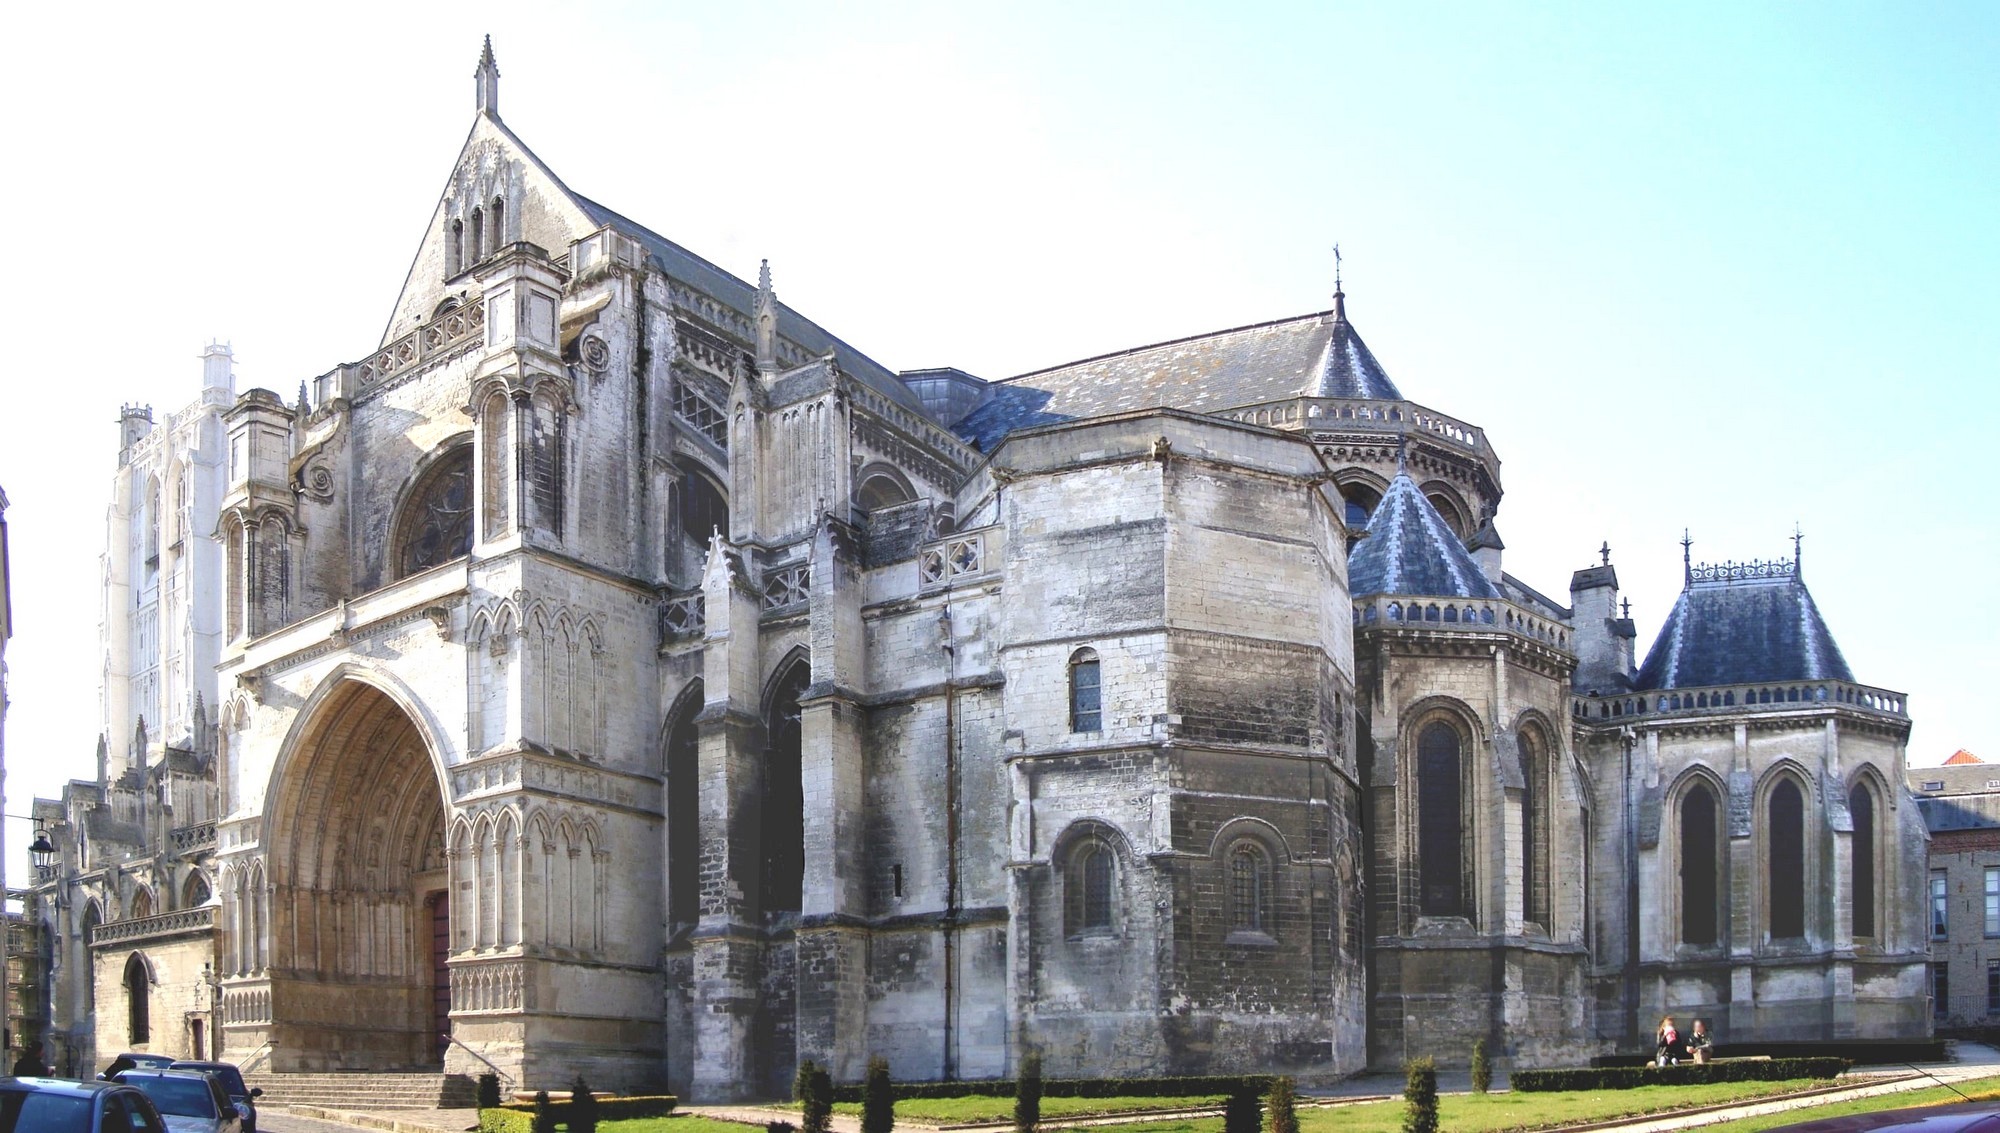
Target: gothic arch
<point x="1695" y="882"/>
<point x="680" y="749"/>
<point x="435" y="508"/>
<point x="1450" y="505"/>
<point x="1536" y="749"/>
<point x="1788" y="873"/>
<point x="1360" y="492"/>
<point x="1869" y="862"/>
<point x="1438" y="810"/>
<point x="783" y="834"/>
<point x="879" y="485"/>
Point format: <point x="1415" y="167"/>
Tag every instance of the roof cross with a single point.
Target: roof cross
<point x="1628" y="609"/>
<point x="1605" y="551"/>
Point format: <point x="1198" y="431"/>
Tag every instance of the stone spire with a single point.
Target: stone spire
<point x="488" y="79"/>
<point x="765" y="316"/>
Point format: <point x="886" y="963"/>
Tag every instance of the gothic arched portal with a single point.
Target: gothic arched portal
<point x="357" y="876"/>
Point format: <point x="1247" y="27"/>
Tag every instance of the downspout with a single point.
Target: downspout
<point x="1626" y="738"/>
<point x="950" y="840"/>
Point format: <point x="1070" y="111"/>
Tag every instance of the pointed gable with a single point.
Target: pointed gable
<point x="1410" y="549"/>
<point x="1743" y="624"/>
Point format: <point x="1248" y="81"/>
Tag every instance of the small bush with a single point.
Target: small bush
<point x="816" y="1089"/>
<point x="489" y="1091"/>
<point x="1243" y="1112"/>
<point x="1281" y="1107"/>
<point x="1482" y="1068"/>
<point x="1420" y="1097"/>
<point x="582" y="1107"/>
<point x="1028" y="1094"/>
<point x="608" y="1109"/>
<point x="802" y="1081"/>
<point x="545" y="1114"/>
<point x="1686" y="1074"/>
<point x="497" y="1120"/>
<point x="780" y="1127"/>
<point x="878" y="1098"/>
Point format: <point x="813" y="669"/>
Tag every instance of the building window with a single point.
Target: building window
<point x="1440" y="823"/>
<point x="1941" y="989"/>
<point x="1861" y="805"/>
<point x="437" y="520"/>
<point x="1993" y="987"/>
<point x="1249" y="888"/>
<point x="1940" y="903"/>
<point x="1534" y="828"/>
<point x="138" y="996"/>
<point x="1700" y="864"/>
<point x="1086" y="699"/>
<point x="1993" y="900"/>
<point x="1087" y="908"/>
<point x="1786" y="879"/>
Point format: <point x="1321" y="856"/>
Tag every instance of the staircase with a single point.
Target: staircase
<point x="366" y="1090"/>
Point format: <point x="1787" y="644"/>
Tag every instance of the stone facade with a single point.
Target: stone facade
<point x="623" y="675"/>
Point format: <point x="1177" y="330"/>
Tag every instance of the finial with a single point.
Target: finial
<point x="1798" y="537"/>
<point x="305" y="405"/>
<point x="487" y="78"/>
<point x="1627" y="604"/>
<point x="1605" y="552"/>
<point x="763" y="275"/>
<point x="1339" y="296"/>
<point x="764" y="317"/>
<point x="1687" y="558"/>
<point x="1402" y="443"/>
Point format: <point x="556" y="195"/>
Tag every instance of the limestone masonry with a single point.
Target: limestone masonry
<point x="615" y="672"/>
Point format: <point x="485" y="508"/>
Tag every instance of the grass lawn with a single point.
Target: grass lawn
<point x="687" y="1123"/>
<point x="1494" y="1113"/>
<point x="1979" y="1089"/>
<point x="960" y="1111"/>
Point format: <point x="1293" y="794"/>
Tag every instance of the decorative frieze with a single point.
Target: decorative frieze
<point x="488" y="987"/>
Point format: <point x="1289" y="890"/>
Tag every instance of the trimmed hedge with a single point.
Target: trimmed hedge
<point x="1258" y="1084"/>
<point x="1686" y="1074"/>
<point x="518" y="1117"/>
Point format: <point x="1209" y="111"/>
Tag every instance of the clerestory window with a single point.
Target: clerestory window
<point x="1086" y="703"/>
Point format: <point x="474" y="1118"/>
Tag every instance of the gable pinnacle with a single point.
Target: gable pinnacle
<point x="764" y="316"/>
<point x="1339" y="296"/>
<point x="487" y="80"/>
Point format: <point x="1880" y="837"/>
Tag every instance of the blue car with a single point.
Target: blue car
<point x="189" y="1101"/>
<point x="50" y="1105"/>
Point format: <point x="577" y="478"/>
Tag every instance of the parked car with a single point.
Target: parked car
<point x="131" y="1059"/>
<point x="50" y="1105"/>
<point x="1973" y="1117"/>
<point x="231" y="1078"/>
<point x="189" y="1100"/>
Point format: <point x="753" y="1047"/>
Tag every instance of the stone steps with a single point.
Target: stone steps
<point x="366" y="1090"/>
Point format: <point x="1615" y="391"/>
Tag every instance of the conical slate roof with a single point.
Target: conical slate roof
<point x="1410" y="549"/>
<point x="1346" y="368"/>
<point x="1743" y="624"/>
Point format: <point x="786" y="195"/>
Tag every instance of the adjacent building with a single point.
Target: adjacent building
<point x="1960" y="802"/>
<point x="620" y="673"/>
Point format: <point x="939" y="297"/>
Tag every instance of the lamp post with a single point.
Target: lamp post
<point x="40" y="852"/>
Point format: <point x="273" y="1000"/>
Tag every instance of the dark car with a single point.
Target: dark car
<point x="49" y="1105"/>
<point x="231" y="1078"/>
<point x="1973" y="1117"/>
<point x="144" y="1061"/>
<point x="189" y="1100"/>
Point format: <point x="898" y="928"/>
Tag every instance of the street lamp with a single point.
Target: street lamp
<point x="42" y="850"/>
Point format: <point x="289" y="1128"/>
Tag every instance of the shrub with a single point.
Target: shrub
<point x="1420" y="1097"/>
<point x="1482" y="1068"/>
<point x="816" y="1099"/>
<point x="1028" y="1094"/>
<point x="1687" y="1074"/>
<point x="1077" y="1087"/>
<point x="1243" y="1112"/>
<point x="582" y="1107"/>
<point x="1279" y="1105"/>
<point x="780" y="1127"/>
<point x="497" y="1120"/>
<point x="608" y="1109"/>
<point x="545" y="1114"/>
<point x="489" y="1091"/>
<point x="878" y="1098"/>
<point x="802" y="1081"/>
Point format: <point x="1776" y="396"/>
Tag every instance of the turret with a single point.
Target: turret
<point x="218" y="371"/>
<point x="134" y="423"/>
<point x="1603" y="637"/>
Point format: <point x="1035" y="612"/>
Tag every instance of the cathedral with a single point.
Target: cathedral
<point x="613" y="671"/>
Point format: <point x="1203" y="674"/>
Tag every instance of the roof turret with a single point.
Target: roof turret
<point x="487" y="76"/>
<point x="1345" y="367"/>
<point x="1410" y="549"/>
<point x="1738" y="623"/>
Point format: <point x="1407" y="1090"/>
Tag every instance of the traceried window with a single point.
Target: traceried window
<point x="437" y="520"/>
<point x="704" y="510"/>
<point x="1249" y="888"/>
<point x="1699" y="866"/>
<point x="1786" y="880"/>
<point x="1534" y="827"/>
<point x="1861" y="806"/>
<point x="1087" y="895"/>
<point x="1440" y="823"/>
<point x="1086" y="704"/>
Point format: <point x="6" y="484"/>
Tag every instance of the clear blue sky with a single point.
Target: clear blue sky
<point x="1727" y="267"/>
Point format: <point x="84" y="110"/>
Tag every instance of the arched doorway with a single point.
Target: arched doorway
<point x="355" y="830"/>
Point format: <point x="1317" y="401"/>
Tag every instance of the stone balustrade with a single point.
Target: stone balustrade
<point x="177" y="923"/>
<point x="192" y="839"/>
<point x="1365" y="415"/>
<point x="1777" y="696"/>
<point x="1469" y="615"/>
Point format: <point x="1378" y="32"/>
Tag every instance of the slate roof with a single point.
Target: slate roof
<point x="1960" y="812"/>
<point x="1740" y="630"/>
<point x="1316" y="355"/>
<point x="1410" y="549"/>
<point x="1346" y="368"/>
<point x="741" y="295"/>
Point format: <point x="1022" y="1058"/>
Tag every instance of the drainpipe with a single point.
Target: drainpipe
<point x="950" y="840"/>
<point x="1626" y="738"/>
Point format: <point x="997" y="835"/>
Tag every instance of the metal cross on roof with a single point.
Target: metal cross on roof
<point x="1605" y="551"/>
